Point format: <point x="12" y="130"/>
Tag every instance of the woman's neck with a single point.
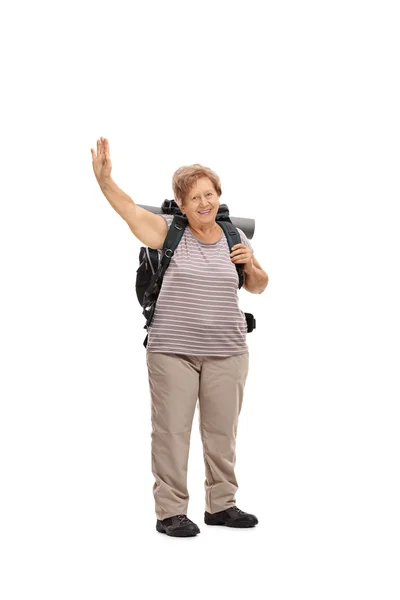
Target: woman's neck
<point x="206" y="231"/>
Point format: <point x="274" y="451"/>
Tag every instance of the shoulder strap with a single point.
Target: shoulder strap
<point x="233" y="238"/>
<point x="174" y="236"/>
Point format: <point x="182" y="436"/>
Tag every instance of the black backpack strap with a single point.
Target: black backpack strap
<point x="174" y="236"/>
<point x="233" y="238"/>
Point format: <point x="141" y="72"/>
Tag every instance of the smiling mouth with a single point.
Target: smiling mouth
<point x="205" y="212"/>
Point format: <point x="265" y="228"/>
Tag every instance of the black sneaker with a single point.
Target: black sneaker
<point x="177" y="526"/>
<point x="231" y="517"/>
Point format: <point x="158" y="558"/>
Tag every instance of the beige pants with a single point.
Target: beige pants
<point x="176" y="382"/>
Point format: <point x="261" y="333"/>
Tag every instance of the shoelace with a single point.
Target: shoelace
<point x="237" y="510"/>
<point x="182" y="518"/>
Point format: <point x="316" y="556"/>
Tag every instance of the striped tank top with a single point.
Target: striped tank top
<point x="197" y="311"/>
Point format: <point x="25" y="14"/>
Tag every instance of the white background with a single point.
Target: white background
<point x="296" y="106"/>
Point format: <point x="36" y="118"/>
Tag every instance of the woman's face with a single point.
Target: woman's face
<point x="202" y="197"/>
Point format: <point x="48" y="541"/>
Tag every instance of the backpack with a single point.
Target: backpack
<point x="149" y="275"/>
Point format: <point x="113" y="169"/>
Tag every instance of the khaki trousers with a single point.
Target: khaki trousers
<point x="176" y="382"/>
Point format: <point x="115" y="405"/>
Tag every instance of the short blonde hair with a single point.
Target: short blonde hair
<point x="184" y="178"/>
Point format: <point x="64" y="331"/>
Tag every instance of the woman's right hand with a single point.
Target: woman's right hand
<point x="102" y="161"/>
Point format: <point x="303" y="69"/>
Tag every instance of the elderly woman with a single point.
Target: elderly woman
<point x="196" y="346"/>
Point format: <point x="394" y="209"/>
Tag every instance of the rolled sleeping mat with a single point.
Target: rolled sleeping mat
<point x="246" y="225"/>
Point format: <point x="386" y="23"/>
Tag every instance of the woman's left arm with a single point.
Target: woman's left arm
<point x="255" y="278"/>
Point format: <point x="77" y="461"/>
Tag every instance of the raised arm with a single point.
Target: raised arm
<point x="149" y="228"/>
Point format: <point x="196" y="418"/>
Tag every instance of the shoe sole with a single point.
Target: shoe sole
<point x="234" y="525"/>
<point x="179" y="533"/>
